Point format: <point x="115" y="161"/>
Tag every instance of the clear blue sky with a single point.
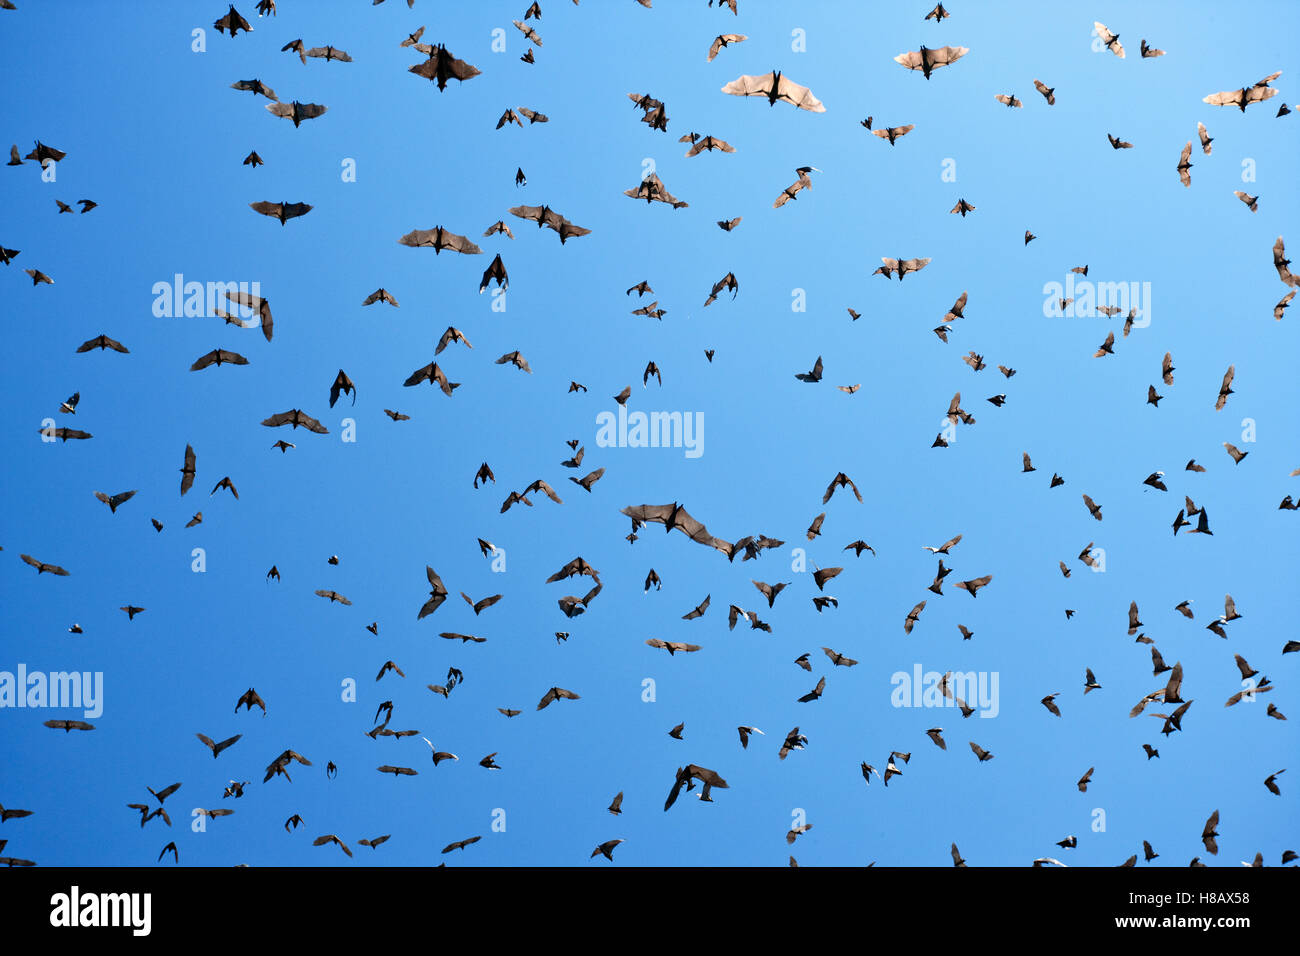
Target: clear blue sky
<point x="155" y="135"/>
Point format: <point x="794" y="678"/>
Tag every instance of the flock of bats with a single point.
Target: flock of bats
<point x="439" y="66"/>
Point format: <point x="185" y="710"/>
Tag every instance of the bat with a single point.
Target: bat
<point x="218" y="357"/>
<point x="775" y="87"/>
<point x="652" y="189"/>
<point x="675" y="516"/>
<point x="722" y="40"/>
<point x="702" y="144"/>
<point x="528" y="32"/>
<point x="1239" y="98"/>
<point x="441" y="66"/>
<point x="344" y="385"/>
<point x="927" y="60"/>
<point x="256" y="87"/>
<point x="328" y="53"/>
<point x="382" y="295"/>
<point x="41" y="567"/>
<point x="103" y="342"/>
<point x="296" y="111"/>
<point x="728" y="283"/>
<point x="296" y="417"/>
<point x="1110" y="39"/>
<point x="900" y="266"/>
<point x="283" y="211"/>
<point x="122" y="497"/>
<point x="259" y="305"/>
<point x="232" y="23"/>
<point x="460" y="844"/>
<point x="803" y="182"/>
<point x="67" y="726"/>
<point x="554" y="694"/>
<point x="438" y="239"/>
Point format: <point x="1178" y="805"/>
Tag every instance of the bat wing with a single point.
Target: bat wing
<point x="800" y="96"/>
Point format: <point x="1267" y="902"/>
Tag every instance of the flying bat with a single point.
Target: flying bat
<point x="1111" y="40"/>
<point x="232" y="23"/>
<point x="441" y="66"/>
<point x="775" y="86"/>
<point x="296" y="111"/>
<point x="296" y="417"/>
<point x="652" y="189"/>
<point x="900" y="266"/>
<point x="722" y="40"/>
<point x="927" y="60"/>
<point x="1246" y="95"/>
<point x="439" y="239"/>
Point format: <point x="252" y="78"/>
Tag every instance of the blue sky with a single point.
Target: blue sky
<point x="155" y="135"/>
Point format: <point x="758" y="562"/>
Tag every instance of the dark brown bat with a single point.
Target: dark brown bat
<point x="698" y="610"/>
<point x="438" y="239"/>
<point x="328" y="53"/>
<point x="342" y="384"/>
<point x="675" y="516"/>
<point x="432" y="373"/>
<point x="67" y="726"/>
<point x="482" y="605"/>
<point x="283" y="211"/>
<point x="588" y="480"/>
<point x="813" y="376"/>
<point x="42" y="154"/>
<point x="497" y="271"/>
<point x="258" y="305"/>
<point x="103" y="342"/>
<point x="841" y="480"/>
<point x="256" y="87"/>
<point x="296" y="417"/>
<point x="296" y="111"/>
<point x="41" y="567"/>
<point x="554" y="694"/>
<point x="218" y="357"/>
<point x="441" y="66"/>
<point x="381" y="295"/>
<point x="460" y="844"/>
<point x="114" y="500"/>
<point x="232" y="23"/>
<point x="912" y="617"/>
